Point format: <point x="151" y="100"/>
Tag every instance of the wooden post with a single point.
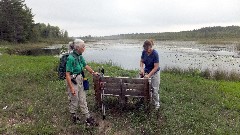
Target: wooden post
<point x="97" y="90"/>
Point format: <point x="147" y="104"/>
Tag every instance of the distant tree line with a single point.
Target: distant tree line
<point x="17" y="24"/>
<point x="217" y="32"/>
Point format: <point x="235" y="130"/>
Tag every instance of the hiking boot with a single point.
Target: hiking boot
<point x="91" y="122"/>
<point x="75" y="118"/>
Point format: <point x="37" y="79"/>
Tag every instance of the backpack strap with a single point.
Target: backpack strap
<point x="78" y="60"/>
<point x="76" y="57"/>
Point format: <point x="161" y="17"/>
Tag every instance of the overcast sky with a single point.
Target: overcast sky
<point x="110" y="17"/>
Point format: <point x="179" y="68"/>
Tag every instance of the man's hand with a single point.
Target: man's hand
<point x="96" y="74"/>
<point x="73" y="92"/>
<point x="147" y="76"/>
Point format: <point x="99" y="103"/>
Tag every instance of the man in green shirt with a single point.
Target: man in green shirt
<point x="74" y="67"/>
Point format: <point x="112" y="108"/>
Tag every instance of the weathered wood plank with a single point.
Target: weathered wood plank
<point x="110" y="79"/>
<point x="135" y="80"/>
<point x="139" y="87"/>
<point x="111" y="88"/>
<point x="122" y="87"/>
<point x="124" y="80"/>
<point x="133" y="89"/>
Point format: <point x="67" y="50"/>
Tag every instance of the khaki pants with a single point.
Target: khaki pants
<point x="155" y="80"/>
<point x="79" y="99"/>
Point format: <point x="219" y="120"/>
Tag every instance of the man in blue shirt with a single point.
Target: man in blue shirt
<point x="150" y="59"/>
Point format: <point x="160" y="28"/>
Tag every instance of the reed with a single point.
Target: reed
<point x="207" y="73"/>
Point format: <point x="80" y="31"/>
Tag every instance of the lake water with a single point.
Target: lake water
<point x="182" y="54"/>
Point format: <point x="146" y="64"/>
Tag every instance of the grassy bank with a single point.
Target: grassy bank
<point x="34" y="101"/>
<point x="34" y="49"/>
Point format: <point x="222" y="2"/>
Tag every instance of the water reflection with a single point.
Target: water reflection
<point x="126" y="53"/>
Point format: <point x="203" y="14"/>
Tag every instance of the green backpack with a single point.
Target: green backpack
<point x="62" y="66"/>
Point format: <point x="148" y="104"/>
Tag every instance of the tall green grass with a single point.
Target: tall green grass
<point x="34" y="101"/>
<point x="207" y="73"/>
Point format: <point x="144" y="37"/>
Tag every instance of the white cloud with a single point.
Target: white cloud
<point x="107" y="17"/>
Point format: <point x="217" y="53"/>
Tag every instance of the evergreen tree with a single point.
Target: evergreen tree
<point x="16" y="21"/>
<point x="65" y="35"/>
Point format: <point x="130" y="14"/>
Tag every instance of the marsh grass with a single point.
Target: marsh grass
<point x="207" y="73"/>
<point x="34" y="101"/>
